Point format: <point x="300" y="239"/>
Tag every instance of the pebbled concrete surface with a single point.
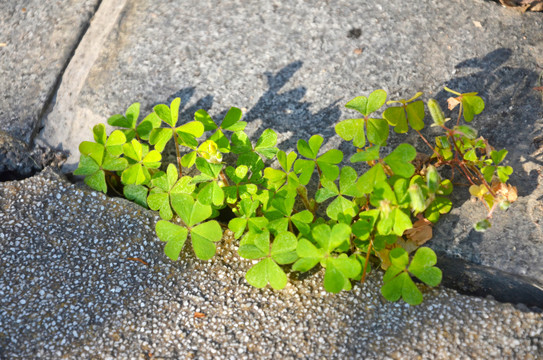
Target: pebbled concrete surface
<point x="70" y="288"/>
<point x="38" y="38"/>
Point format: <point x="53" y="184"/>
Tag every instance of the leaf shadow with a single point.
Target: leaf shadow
<point x="283" y="110"/>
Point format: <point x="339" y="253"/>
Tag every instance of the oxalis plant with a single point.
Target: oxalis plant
<point x="378" y="211"/>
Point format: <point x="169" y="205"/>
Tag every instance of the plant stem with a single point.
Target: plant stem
<point x="430" y="146"/>
<point x="179" y="167"/>
<point x="108" y="181"/>
<point x="490" y="211"/>
<point x="305" y="200"/>
<point x="483" y="180"/>
<point x="367" y="259"/>
<point x="224" y="178"/>
<point x="465" y="171"/>
<point x="459" y="114"/>
<point x="319" y="171"/>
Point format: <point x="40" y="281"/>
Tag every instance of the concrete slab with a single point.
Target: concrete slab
<point x="83" y="276"/>
<point x="37" y="40"/>
<point x="292" y="67"/>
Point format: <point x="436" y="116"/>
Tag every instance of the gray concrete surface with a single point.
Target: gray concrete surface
<point x="294" y="67"/>
<point x="68" y="289"/>
<point x="37" y="40"/>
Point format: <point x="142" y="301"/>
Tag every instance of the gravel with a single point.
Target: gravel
<point x="71" y="287"/>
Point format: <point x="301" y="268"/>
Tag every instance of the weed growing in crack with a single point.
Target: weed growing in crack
<point x="381" y="217"/>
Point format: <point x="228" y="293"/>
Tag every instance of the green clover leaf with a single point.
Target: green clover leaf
<point x="141" y="160"/>
<point x="398" y="283"/>
<point x="283" y="251"/>
<point x="187" y="133"/>
<point x="309" y="256"/>
<point x="211" y="193"/>
<point x="498" y="156"/>
<point x="238" y="191"/>
<point x="326" y="162"/>
<point x="241" y="143"/>
<point x="247" y="209"/>
<point x="164" y="185"/>
<point x="338" y="272"/>
<point x="372" y="177"/>
<point x="137" y="194"/>
<point x="255" y="245"/>
<point x="159" y="137"/>
<point x="265" y="144"/>
<point x="206" y="120"/>
<point x="369" y="154"/>
<point x="365" y="225"/>
<point x="504" y="172"/>
<point x="174" y="235"/>
<point x="97" y="158"/>
<point x="150" y="122"/>
<point x="264" y="272"/>
<point x="370" y="104"/>
<point x="439" y="206"/>
<point x="473" y="105"/>
<point x="190" y="211"/>
<point x="203" y="235"/>
<point x="409" y="111"/>
<point x="95" y="176"/>
<point x="231" y="121"/>
<point x="348" y="187"/>
<point x="128" y="121"/>
<point x="330" y="239"/>
<point x="352" y="129"/>
<point x="377" y="131"/>
<point x="400" y="159"/>
<point x="115" y="142"/>
<point x="422" y="266"/>
<point x="94" y="150"/>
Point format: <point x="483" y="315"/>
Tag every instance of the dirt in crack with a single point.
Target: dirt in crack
<point x="18" y="162"/>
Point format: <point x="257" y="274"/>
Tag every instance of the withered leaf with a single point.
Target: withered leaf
<point x="453" y="102"/>
<point x="508" y="192"/>
<point x="420" y="233"/>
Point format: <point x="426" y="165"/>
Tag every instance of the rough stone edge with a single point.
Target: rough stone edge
<point x="62" y="106"/>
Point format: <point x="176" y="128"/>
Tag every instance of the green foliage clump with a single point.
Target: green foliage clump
<point x="378" y="211"/>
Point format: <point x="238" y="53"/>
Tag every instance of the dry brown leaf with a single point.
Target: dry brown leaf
<point x="420" y="233"/>
<point x="453" y="102"/>
<point x="199" y="315"/>
<point x="383" y="256"/>
<point x="507" y="191"/>
<point x="407" y="245"/>
<point x="137" y="259"/>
